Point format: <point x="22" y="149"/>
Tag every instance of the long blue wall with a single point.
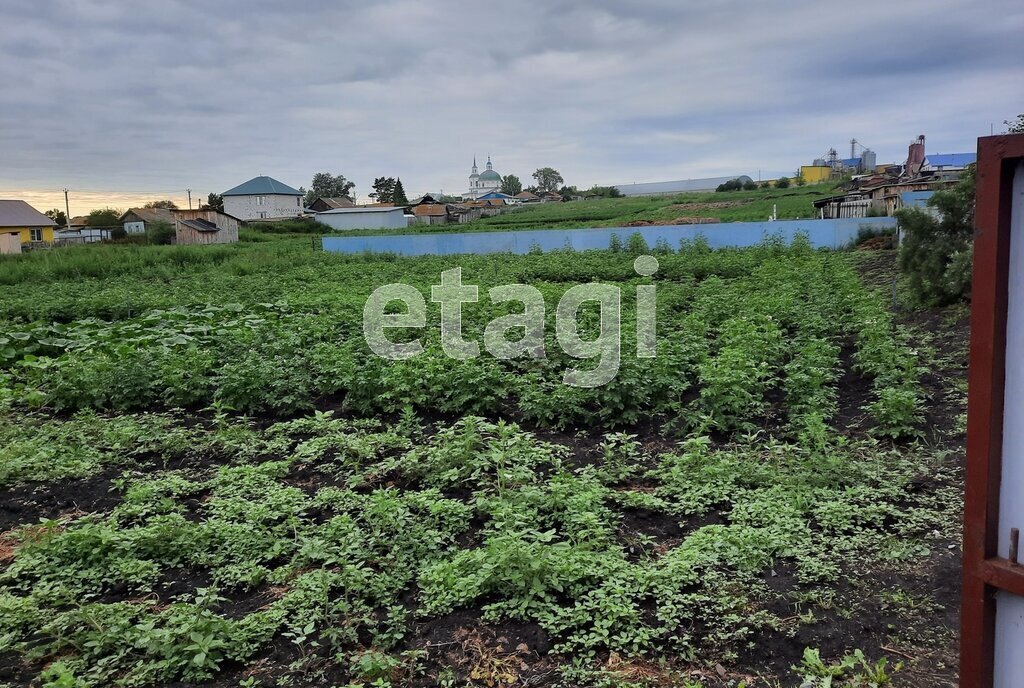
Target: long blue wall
<point x="821" y="233"/>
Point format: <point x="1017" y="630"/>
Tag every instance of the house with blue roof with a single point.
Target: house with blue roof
<point x="497" y="196"/>
<point x="948" y="162"/>
<point x="263" y="198"/>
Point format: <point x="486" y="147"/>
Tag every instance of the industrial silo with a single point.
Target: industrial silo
<point x="867" y="160"/>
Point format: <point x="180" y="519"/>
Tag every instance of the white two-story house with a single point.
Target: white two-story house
<point x="262" y="198"/>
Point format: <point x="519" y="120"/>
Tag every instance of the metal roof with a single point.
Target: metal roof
<point x="655" y="188"/>
<point x="201" y="225"/>
<point x="20" y="214"/>
<point x="375" y="209"/>
<point x="262" y="186"/>
<point x="149" y="214"/>
<point x="951" y="159"/>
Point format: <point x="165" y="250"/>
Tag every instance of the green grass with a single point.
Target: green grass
<point x="745" y="206"/>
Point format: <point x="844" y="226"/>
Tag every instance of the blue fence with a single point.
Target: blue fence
<point x="821" y="233"/>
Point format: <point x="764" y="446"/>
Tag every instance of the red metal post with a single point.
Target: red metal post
<point x="983" y="571"/>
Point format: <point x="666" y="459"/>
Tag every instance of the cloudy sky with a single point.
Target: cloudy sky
<point x="126" y="102"/>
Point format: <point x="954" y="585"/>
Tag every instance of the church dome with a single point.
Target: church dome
<point x="490" y="175"/>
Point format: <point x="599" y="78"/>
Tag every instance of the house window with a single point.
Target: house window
<point x="261" y="200"/>
<point x="36" y="234"/>
<point x="298" y="204"/>
<point x="263" y="216"/>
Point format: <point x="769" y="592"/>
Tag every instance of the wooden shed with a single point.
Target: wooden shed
<point x="205" y="227"/>
<point x="10" y="243"/>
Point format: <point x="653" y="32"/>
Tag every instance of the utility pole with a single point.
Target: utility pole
<point x="189" y="198"/>
<point x="67" y="210"/>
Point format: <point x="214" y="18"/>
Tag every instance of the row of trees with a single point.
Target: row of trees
<point x="327" y="185"/>
<point x="389" y="190"/>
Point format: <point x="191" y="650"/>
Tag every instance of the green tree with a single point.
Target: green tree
<point x="104" y="217"/>
<point x="782" y="183"/>
<point x="398" y="195"/>
<point x="160" y="232"/>
<point x="58" y="216"/>
<point x="937" y="250"/>
<point x="213" y="202"/>
<point x="1015" y="126"/>
<point x="511" y="185"/>
<point x="169" y="205"/>
<point x="750" y="185"/>
<point x="548" y="179"/>
<point x="327" y="185"/>
<point x="604" y="191"/>
<point x="383" y="190"/>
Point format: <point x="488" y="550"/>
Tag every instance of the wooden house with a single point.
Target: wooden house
<point x="205" y="227"/>
<point x="324" y="204"/>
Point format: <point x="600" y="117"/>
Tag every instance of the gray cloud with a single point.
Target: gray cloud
<point x="156" y="96"/>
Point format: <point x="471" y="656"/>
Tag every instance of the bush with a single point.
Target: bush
<point x="731" y="185"/>
<point x="750" y="185"/>
<point x="296" y="226"/>
<point x="937" y="248"/>
<point x="782" y="183"/>
<point x="160" y="233"/>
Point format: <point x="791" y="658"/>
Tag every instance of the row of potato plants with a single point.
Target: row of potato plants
<point x="406" y="523"/>
<point x="731" y="350"/>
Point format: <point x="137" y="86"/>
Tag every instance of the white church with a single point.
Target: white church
<point x="481" y="184"/>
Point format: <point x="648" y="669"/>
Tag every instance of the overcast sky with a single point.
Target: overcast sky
<point x="129" y="101"/>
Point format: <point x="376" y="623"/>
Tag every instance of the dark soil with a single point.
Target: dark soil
<point x="33" y="502"/>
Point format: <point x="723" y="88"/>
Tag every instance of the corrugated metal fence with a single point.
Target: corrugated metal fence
<point x="834" y="234"/>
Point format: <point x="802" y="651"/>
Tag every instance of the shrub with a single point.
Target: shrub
<point x="782" y="183"/>
<point x="731" y="185"/>
<point x="160" y="232"/>
<point x="937" y="247"/>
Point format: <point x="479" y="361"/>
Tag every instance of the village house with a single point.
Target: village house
<point x="262" y="198"/>
<point x="29" y="225"/>
<point x="138" y="220"/>
<point x="205" y="227"/>
<point x="368" y="217"/>
<point x="498" y="196"/>
<point x="947" y="162"/>
<point x="431" y="213"/>
<point x="324" y="204"/>
<point x="527" y="197"/>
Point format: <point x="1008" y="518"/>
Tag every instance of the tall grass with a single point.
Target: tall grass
<point x="102" y="261"/>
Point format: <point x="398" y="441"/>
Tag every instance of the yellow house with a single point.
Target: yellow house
<point x="815" y="174"/>
<point x="31" y="226"/>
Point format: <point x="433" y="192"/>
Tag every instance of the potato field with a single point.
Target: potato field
<point x="207" y="477"/>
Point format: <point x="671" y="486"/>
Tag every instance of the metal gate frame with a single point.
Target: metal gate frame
<point x="984" y="571"/>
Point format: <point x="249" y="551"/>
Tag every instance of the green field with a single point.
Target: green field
<point x="206" y="478"/>
<point x="731" y="206"/>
